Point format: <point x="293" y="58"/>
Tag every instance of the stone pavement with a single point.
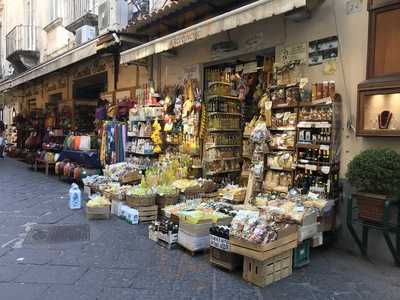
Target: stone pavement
<point x="120" y="262"/>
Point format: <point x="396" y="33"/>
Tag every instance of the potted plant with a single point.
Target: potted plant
<point x="375" y="175"/>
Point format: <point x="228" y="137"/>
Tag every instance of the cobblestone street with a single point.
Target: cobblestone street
<point x="120" y="262"/>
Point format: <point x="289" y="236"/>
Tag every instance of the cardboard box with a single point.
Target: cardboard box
<point x="307" y="232"/>
<point x="201" y="229"/>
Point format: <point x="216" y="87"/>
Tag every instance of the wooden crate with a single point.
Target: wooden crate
<point x="263" y="273"/>
<point x="98" y="213"/>
<point x="287" y="240"/>
<point x="136" y="201"/>
<point x="227" y="260"/>
<point x="147" y="213"/>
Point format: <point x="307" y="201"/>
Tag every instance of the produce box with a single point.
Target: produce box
<point x="169" y="238"/>
<point x="201" y="229"/>
<point x="317" y="240"/>
<point x="147" y="213"/>
<point x="140" y="201"/>
<point x="227" y="260"/>
<point x="301" y="255"/>
<point x="309" y="219"/>
<point x="265" y="272"/>
<point x="287" y="240"/>
<point x="130" y="177"/>
<point x="192" y="243"/>
<point x="98" y="213"/>
<point x="307" y="232"/>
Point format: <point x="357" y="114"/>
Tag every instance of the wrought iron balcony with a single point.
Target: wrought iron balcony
<point x="22" y="47"/>
<point x="79" y="13"/>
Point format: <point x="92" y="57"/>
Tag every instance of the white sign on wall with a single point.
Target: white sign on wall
<point x="287" y="54"/>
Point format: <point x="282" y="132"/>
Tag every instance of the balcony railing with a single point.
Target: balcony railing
<point x="22" y="39"/>
<point x="79" y="11"/>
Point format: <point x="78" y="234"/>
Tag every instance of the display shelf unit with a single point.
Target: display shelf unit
<point x="224" y="115"/>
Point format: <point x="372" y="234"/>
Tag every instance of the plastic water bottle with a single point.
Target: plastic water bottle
<point x="75" y="197"/>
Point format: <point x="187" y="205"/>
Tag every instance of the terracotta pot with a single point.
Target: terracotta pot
<point x="371" y="206"/>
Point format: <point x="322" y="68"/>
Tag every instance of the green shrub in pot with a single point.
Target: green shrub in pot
<point x="374" y="174"/>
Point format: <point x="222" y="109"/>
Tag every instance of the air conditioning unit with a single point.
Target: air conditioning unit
<point x="112" y="15"/>
<point x="84" y="34"/>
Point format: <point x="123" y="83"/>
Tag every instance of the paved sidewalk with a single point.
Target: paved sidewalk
<point x="120" y="262"/>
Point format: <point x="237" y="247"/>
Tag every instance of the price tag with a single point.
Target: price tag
<point x="299" y="208"/>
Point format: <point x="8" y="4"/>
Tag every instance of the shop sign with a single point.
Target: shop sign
<point x="291" y="53"/>
<point x="95" y="68"/>
<point x="184" y="38"/>
<point x="56" y="84"/>
<point x="254" y="41"/>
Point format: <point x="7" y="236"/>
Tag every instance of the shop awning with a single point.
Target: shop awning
<point x="244" y="15"/>
<point x="64" y="60"/>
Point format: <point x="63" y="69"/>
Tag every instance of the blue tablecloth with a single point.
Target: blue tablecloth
<point x="89" y="159"/>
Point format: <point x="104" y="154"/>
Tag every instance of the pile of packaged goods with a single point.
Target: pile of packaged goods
<point x="123" y="172"/>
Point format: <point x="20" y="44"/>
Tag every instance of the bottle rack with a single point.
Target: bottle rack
<point x="222" y="147"/>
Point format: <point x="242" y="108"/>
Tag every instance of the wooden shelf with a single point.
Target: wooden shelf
<point x="211" y="83"/>
<point x="224" y="114"/>
<point x="284" y="105"/>
<point x="313" y="146"/>
<point x="222" y="96"/>
<point x="223" y="159"/>
<point x="318" y="102"/>
<point x="283" y="129"/>
<point x="222" y="130"/>
<point x="281" y="149"/>
<point x="223" y="172"/>
<point x="281" y="169"/>
<point x="221" y="146"/>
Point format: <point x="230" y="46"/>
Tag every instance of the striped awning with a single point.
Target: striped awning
<point x="244" y="15"/>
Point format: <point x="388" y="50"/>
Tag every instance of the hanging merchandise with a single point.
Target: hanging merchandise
<point x="113" y="142"/>
<point x="155" y="137"/>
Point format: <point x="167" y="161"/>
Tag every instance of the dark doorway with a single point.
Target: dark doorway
<point x="86" y="93"/>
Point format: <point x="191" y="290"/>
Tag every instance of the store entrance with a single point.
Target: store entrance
<point x="86" y="93"/>
<point x="233" y="89"/>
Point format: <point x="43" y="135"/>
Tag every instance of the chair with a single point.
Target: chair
<point x="387" y="228"/>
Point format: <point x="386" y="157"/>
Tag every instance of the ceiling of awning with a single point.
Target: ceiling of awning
<point x="181" y="14"/>
<point x="255" y="11"/>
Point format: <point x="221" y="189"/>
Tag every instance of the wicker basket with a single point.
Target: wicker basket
<point x="163" y="201"/>
<point x="139" y="201"/>
<point x="115" y="197"/>
<point x="192" y="193"/>
<point x="131" y="177"/>
<point x="209" y="187"/>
